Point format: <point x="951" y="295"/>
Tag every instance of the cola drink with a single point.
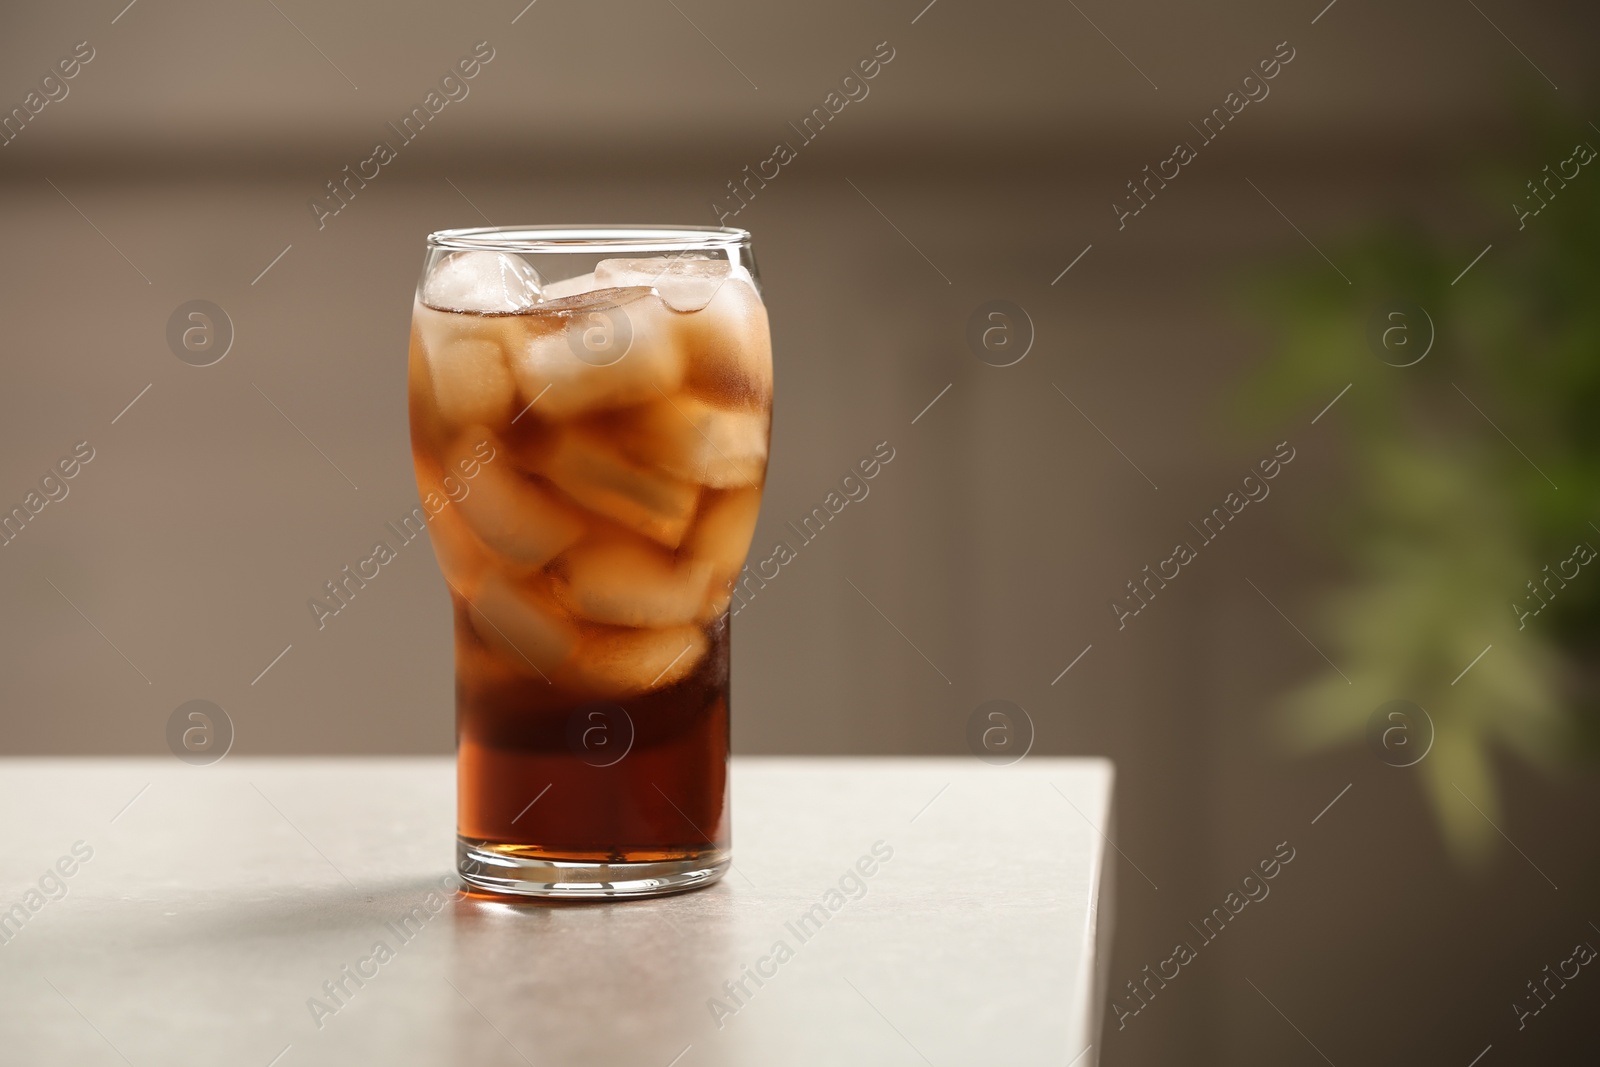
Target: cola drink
<point x="590" y="454"/>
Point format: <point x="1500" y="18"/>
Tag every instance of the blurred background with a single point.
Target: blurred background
<point x="1425" y="161"/>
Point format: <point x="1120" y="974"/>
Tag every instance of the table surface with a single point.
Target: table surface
<point x="207" y="906"/>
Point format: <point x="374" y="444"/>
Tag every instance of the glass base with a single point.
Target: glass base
<point x="498" y="869"/>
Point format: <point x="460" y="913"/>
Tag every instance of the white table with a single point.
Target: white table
<point x="218" y="900"/>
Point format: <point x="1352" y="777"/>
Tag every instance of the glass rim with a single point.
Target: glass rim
<point x="588" y="238"/>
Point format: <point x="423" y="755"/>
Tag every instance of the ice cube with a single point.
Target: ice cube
<point x="440" y="329"/>
<point x="426" y="431"/>
<point x="483" y="668"/>
<point x="619" y="662"/>
<point x="462" y="557"/>
<point x="469" y="374"/>
<point x="519" y="620"/>
<point x="481" y="281"/>
<point x="628" y="581"/>
<point x="696" y="441"/>
<point x="512" y="514"/>
<point x="728" y="349"/>
<point x="720" y="539"/>
<point x="566" y="287"/>
<point x="601" y="478"/>
<point x="685" y="282"/>
<point x="602" y="349"/>
<point x="471" y="381"/>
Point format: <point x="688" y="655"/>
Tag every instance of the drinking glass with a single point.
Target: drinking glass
<point x="590" y="413"/>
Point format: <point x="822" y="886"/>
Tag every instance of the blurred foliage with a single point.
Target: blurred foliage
<point x="1446" y="521"/>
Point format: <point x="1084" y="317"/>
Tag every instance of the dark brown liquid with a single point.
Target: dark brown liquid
<point x="547" y="774"/>
<point x="594" y="534"/>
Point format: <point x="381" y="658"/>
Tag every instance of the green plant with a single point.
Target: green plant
<point x="1449" y="516"/>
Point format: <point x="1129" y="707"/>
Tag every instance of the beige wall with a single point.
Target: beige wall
<point x="994" y="140"/>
